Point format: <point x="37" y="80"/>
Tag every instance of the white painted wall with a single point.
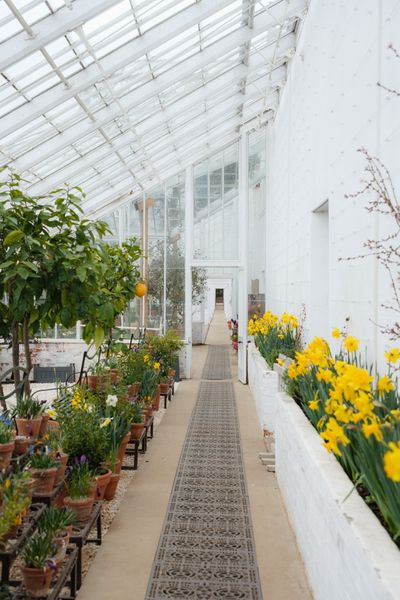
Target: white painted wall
<point x="330" y="107"/>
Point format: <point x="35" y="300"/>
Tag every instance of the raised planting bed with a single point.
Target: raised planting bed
<point x="263" y="383"/>
<point x="346" y="551"/>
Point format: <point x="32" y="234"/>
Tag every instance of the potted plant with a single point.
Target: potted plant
<point x="97" y="377"/>
<point x="148" y="387"/>
<point x="53" y="441"/>
<point x="15" y="499"/>
<point x="79" y="489"/>
<point x="28" y="416"/>
<point x="38" y="569"/>
<point x="21" y="444"/>
<point x="137" y="424"/>
<point x="57" y="524"/>
<point x="6" y="442"/>
<point x="113" y="463"/>
<point x="43" y="469"/>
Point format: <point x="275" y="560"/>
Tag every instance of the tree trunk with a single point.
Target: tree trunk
<point x="15" y="353"/>
<point x="28" y="358"/>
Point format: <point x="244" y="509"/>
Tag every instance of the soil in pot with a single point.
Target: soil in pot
<point x="136" y="430"/>
<point x="37" y="581"/>
<point x="28" y="427"/>
<point x="82" y="507"/>
<point x="102" y="481"/>
<point x="6" y="451"/>
<point x="111" y="488"/>
<point x="43" y="480"/>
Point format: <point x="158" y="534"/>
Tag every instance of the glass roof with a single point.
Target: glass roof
<point x="119" y="95"/>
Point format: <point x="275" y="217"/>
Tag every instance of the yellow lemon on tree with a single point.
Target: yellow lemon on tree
<point x="140" y="289"/>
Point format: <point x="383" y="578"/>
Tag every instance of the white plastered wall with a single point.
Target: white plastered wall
<point x="330" y="107"/>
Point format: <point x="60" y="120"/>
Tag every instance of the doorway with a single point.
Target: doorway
<point x="219" y="295"/>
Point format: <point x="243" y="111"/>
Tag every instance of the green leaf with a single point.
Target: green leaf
<point x="98" y="336"/>
<point x="13" y="237"/>
<point x="81" y="272"/>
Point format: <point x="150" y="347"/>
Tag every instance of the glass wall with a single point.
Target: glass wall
<point x="175" y="255"/>
<point x="215" y="227"/>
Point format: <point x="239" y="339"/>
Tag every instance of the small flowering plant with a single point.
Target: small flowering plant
<point x="42" y="460"/>
<point x="79" y="480"/>
<point x="37" y="552"/>
<point x="28" y="408"/>
<point x="6" y="430"/>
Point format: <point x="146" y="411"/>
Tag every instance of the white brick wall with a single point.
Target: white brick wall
<point x="264" y="386"/>
<point x="331" y="106"/>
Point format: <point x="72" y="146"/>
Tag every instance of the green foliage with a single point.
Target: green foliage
<point x="132" y="366"/>
<point x="163" y="349"/>
<point x="6" y="430"/>
<point x="38" y="551"/>
<point x="137" y="415"/>
<point x="82" y="435"/>
<point x="79" y="481"/>
<point x="55" y="519"/>
<point x="148" y="384"/>
<point x="28" y="408"/>
<point x="42" y="460"/>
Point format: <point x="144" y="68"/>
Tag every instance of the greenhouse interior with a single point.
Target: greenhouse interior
<point x="199" y="299"/>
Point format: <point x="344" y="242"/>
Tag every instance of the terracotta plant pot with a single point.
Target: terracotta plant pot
<point x="6" y="451"/>
<point x="29" y="427"/>
<point x="156" y="399"/>
<point x="93" y="381"/>
<point x="133" y="389"/>
<point x="21" y="445"/>
<point x="82" y="507"/>
<point x="43" y="480"/>
<point x="147" y="412"/>
<point x="112" y="486"/>
<point x="62" y="459"/>
<point x="121" y="451"/>
<point x="114" y="375"/>
<point x="59" y="499"/>
<point x="61" y="541"/>
<point x="136" y="430"/>
<point x="43" y="425"/>
<point x="102" y="482"/>
<point x="53" y="425"/>
<point x="164" y="388"/>
<point x="37" y="581"/>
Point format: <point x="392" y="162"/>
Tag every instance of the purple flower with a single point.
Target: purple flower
<point x="83" y="459"/>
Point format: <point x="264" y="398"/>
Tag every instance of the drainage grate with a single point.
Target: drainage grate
<point x="206" y="550"/>
<point x="217" y="366"/>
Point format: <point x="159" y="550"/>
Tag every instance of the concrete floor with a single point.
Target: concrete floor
<point x="122" y="567"/>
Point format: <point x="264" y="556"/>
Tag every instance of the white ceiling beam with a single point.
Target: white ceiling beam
<point x="229" y="99"/>
<point x="50" y="28"/>
<point x="176" y="74"/>
<point x="111" y="63"/>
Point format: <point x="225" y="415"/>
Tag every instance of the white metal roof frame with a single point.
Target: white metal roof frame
<point x="118" y="95"/>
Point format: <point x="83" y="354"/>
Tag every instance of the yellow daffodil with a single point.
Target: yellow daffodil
<point x="392" y="355"/>
<point x="105" y="422"/>
<point x="52" y="413"/>
<point x="372" y="428"/>
<point x="313" y="404"/>
<point x="156" y="366"/>
<point x="351" y="343"/>
<point x="336" y="333"/>
<point x="280" y="362"/>
<point x="334" y="435"/>
<point x="385" y="384"/>
<point x="391" y="461"/>
<point x="146" y="358"/>
<point x="7" y="484"/>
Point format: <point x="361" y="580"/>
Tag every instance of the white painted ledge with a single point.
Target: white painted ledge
<point x="347" y="553"/>
<point x="263" y="383"/>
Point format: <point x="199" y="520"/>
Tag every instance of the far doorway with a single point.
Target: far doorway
<point x="219" y="296"/>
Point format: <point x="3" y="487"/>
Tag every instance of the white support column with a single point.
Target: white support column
<point x="164" y="313"/>
<point x="188" y="266"/>
<point x="243" y="256"/>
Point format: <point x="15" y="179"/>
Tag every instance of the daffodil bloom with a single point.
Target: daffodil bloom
<point x="392" y="355"/>
<point x="351" y="343"/>
<point x="313" y="404"/>
<point x="385" y="384"/>
<point x="374" y="429"/>
<point x="334" y="435"/>
<point x="52" y="413"/>
<point x="105" y="422"/>
<point x="112" y="400"/>
<point x="7" y="484"/>
<point x="156" y="366"/>
<point x="336" y="333"/>
<point x="391" y="461"/>
<point x="146" y="358"/>
<point x="280" y="362"/>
